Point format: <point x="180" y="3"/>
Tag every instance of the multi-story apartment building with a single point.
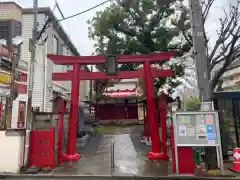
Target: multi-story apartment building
<point x="10" y="21"/>
<point x="17" y="21"/>
<point x="231" y="78"/>
<point x="55" y="41"/>
<point x="11" y="27"/>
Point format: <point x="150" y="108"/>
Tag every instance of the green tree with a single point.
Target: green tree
<point x="139" y="26"/>
<point x="192" y="104"/>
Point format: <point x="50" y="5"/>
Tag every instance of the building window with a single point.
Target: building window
<point x="68" y="51"/>
<point x="61" y="49"/>
<point x="18" y="29"/>
<point x="4" y="33"/>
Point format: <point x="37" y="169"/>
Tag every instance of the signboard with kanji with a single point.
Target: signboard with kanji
<point x="197" y="128"/>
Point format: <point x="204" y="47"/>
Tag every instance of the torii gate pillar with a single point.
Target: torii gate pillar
<point x="151" y="114"/>
<point x="71" y="151"/>
<point x="162" y="107"/>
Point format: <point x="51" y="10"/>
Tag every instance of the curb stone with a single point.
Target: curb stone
<point x="105" y="177"/>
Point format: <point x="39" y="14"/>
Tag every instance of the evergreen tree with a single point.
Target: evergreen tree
<point x="140" y="26"/>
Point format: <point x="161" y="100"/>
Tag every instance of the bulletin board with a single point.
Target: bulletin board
<point x="196" y="129"/>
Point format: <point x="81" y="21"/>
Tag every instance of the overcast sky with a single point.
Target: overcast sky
<point x="77" y="27"/>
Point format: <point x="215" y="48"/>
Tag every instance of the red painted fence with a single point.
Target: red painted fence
<point x="42" y="148"/>
<point x="115" y="111"/>
<point x="185" y="160"/>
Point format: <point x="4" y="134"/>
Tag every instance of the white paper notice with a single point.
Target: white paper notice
<point x="211" y="142"/>
<point x="182" y="130"/>
<point x="190" y="130"/>
<point x="201" y="132"/>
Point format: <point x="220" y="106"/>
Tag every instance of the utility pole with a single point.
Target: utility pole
<point x="202" y="67"/>
<point x="32" y="48"/>
<point x="14" y="58"/>
<point x="13" y="70"/>
<point x="201" y="61"/>
<point x="31" y="65"/>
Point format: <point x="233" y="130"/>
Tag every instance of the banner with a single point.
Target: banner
<point x="5" y="78"/>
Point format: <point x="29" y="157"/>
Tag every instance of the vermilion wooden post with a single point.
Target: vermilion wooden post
<point x="145" y="126"/>
<point x="60" y="136"/>
<point x="151" y="114"/>
<point x="71" y="153"/>
<point x="60" y="130"/>
<point x="163" y="116"/>
<point x="173" y="149"/>
<point x="145" y="121"/>
<point x="162" y="105"/>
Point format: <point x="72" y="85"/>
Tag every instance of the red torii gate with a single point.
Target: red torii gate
<point x="76" y="75"/>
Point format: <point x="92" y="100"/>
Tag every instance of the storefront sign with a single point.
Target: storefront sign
<point x="5" y="78"/>
<point x="21" y="88"/>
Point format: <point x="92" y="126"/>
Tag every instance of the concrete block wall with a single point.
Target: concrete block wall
<point x="48" y="120"/>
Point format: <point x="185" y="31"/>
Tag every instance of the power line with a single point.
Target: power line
<point x="54" y="7"/>
<point x="58" y="7"/>
<point x="39" y="35"/>
<point x="74" y="15"/>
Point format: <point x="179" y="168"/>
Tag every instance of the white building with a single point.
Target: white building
<point x="54" y="41"/>
<point x="231" y="78"/>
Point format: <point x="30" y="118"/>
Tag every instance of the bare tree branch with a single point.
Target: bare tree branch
<point x="206" y="6"/>
<point x="227" y="27"/>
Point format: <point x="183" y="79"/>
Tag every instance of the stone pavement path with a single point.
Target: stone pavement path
<point x="130" y="158"/>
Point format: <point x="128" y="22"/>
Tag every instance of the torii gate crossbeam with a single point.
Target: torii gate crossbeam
<point x="83" y="75"/>
<point x="122" y="59"/>
<point x="76" y="75"/>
